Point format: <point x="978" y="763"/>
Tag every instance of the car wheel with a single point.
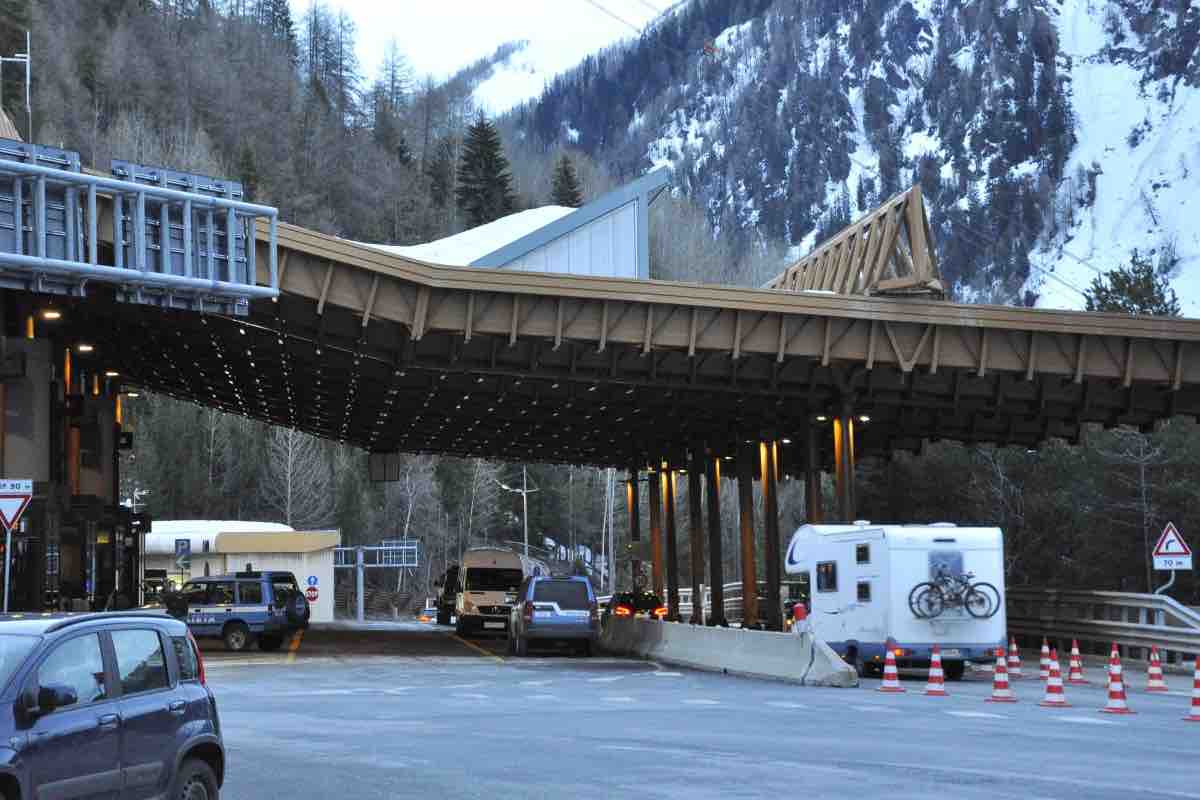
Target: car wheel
<point x="269" y="643"/>
<point x="297" y="609"/>
<point x="195" y="781"/>
<point x="236" y="636"/>
<point x="955" y="670"/>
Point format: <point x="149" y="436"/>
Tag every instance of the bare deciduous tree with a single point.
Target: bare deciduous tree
<point x="297" y="482"/>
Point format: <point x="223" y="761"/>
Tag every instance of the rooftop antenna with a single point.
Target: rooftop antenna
<point x="21" y="58"/>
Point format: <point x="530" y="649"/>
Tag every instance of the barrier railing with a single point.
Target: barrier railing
<point x="733" y="600"/>
<point x="173" y="248"/>
<point x="1100" y="618"/>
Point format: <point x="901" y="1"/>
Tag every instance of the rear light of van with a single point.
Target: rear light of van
<point x="623" y="610"/>
<point x="660" y="612"/>
<point x="527" y="611"/>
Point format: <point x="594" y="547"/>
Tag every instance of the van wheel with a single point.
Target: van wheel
<point x="954" y="670"/>
<point x="236" y="636"/>
<point x="195" y="781"/>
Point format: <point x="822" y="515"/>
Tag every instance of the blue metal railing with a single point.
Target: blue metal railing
<point x="199" y="254"/>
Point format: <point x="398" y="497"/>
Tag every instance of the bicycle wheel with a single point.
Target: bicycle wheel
<point x="992" y="594"/>
<point x="978" y="604"/>
<point x="929" y="602"/>
<point x="914" y="594"/>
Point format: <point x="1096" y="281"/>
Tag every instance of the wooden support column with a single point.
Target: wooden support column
<point x="672" y="550"/>
<point x="843" y="454"/>
<point x="655" y="496"/>
<point x="813" y="502"/>
<point x="696" y="531"/>
<point x="745" y="481"/>
<point x="768" y="456"/>
<point x="632" y="502"/>
<point x="716" y="565"/>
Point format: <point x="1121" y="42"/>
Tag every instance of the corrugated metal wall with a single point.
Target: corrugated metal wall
<point x="605" y="246"/>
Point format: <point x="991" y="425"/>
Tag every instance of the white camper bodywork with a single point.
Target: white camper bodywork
<point x="859" y="578"/>
<point x="485" y="594"/>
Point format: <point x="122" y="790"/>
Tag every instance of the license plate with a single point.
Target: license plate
<point x="499" y="625"/>
<point x="952" y="653"/>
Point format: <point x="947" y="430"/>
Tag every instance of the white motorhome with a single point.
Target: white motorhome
<point x="488" y="579"/>
<point x="860" y="578"/>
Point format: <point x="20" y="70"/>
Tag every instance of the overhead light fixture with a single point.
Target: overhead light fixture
<point x="864" y="418"/>
<point x="85" y="348"/>
<point x="132" y="394"/>
<point x="111" y="373"/>
<point x="822" y="418"/>
<point x="786" y="441"/>
<point x="51" y="314"/>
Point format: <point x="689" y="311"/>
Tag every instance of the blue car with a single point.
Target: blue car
<point x="109" y="705"/>
<point x="242" y="608"/>
<point x="550" y="609"/>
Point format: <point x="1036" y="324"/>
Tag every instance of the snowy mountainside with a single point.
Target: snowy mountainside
<point x="785" y="119"/>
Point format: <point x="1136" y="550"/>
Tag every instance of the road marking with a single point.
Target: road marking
<point x="611" y="679"/>
<point x="398" y="689"/>
<point x="785" y="704"/>
<point x="476" y="648"/>
<point x="877" y="709"/>
<point x="977" y="715"/>
<point x="469" y="696"/>
<point x="661" y="674"/>
<point x="541" y="697"/>
<point x="700" y="701"/>
<point x="534" y="683"/>
<point x="619" y="699"/>
<point x="294" y="646"/>
<point x="475" y="685"/>
<point x="1089" y="720"/>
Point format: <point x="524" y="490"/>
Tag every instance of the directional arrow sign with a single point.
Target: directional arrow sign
<point x="1172" y="551"/>
<point x="14" y="499"/>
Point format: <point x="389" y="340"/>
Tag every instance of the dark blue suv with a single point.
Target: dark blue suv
<point x="109" y="706"/>
<point x="550" y="609"/>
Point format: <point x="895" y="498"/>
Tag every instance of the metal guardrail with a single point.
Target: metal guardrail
<point x="1129" y="619"/>
<point x="185" y="249"/>
<point x="733" y="600"/>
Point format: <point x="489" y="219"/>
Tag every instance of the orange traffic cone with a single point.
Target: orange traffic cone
<point x="1044" y="669"/>
<point x="1076" y="677"/>
<point x="1195" y="715"/>
<point x="1054" y="685"/>
<point x="1116" y="686"/>
<point x="891" y="678"/>
<point x="1154" y="673"/>
<point x="1014" y="659"/>
<point x="1000" y="691"/>
<point x="936" y="687"/>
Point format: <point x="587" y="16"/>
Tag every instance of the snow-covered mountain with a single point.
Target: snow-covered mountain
<point x="1051" y="137"/>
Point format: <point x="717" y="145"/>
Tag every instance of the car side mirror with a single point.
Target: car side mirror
<point x="56" y="695"/>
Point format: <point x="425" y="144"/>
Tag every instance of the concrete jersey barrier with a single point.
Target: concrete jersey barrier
<point x="761" y="654"/>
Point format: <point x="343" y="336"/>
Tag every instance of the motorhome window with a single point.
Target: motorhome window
<point x="945" y="563"/>
<point x="487" y="579"/>
<point x="862" y="554"/>
<point x="827" y="576"/>
<point x="571" y="595"/>
<point x="864" y="591"/>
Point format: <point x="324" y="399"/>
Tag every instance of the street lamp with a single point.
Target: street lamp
<point x="524" y="491"/>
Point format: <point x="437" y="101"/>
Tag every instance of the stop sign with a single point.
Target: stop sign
<point x="311" y="593"/>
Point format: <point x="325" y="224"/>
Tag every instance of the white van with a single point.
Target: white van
<point x="488" y="579"/>
<point x="860" y="579"/>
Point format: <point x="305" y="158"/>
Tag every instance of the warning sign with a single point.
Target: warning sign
<point x="312" y="594"/>
<point x="14" y="499"/>
<point x="1172" y="551"/>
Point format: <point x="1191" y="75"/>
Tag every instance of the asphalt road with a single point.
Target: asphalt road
<point x="416" y="712"/>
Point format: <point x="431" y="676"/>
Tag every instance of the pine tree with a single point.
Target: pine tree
<point x="1133" y="288"/>
<point x="565" y="187"/>
<point x="440" y="171"/>
<point x="484" y="191"/>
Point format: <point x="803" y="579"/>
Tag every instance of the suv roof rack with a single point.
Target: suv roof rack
<point x="91" y="616"/>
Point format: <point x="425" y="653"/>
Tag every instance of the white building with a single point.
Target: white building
<point x="220" y="547"/>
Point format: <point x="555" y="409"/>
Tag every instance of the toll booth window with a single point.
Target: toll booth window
<point x="864" y="591"/>
<point x="827" y="576"/>
<point x="250" y="592"/>
<point x="862" y="554"/>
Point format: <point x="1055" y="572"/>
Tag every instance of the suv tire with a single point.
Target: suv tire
<point x="297" y="610"/>
<point x="269" y="644"/>
<point x="236" y="636"/>
<point x="195" y="781"/>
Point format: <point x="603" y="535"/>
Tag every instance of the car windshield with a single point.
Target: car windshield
<point x="490" y="579"/>
<point x="567" y="594"/>
<point x="14" y="648"/>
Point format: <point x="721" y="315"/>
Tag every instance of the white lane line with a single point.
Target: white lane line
<point x="534" y="683"/>
<point x="785" y="704"/>
<point x="1089" y="720"/>
<point x="700" y="701"/>
<point x="610" y="679"/>
<point x="465" y="685"/>
<point x="661" y="674"/>
<point x="399" y="690"/>
<point x="541" y="697"/>
<point x="976" y="715"/>
<point x="619" y="699"/>
<point x="877" y="709"/>
<point x="469" y="696"/>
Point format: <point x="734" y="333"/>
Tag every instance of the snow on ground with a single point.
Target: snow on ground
<point x="1145" y="194"/>
<point x="463" y="248"/>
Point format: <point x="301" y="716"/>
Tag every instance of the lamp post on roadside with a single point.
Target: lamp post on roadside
<point x="524" y="491"/>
